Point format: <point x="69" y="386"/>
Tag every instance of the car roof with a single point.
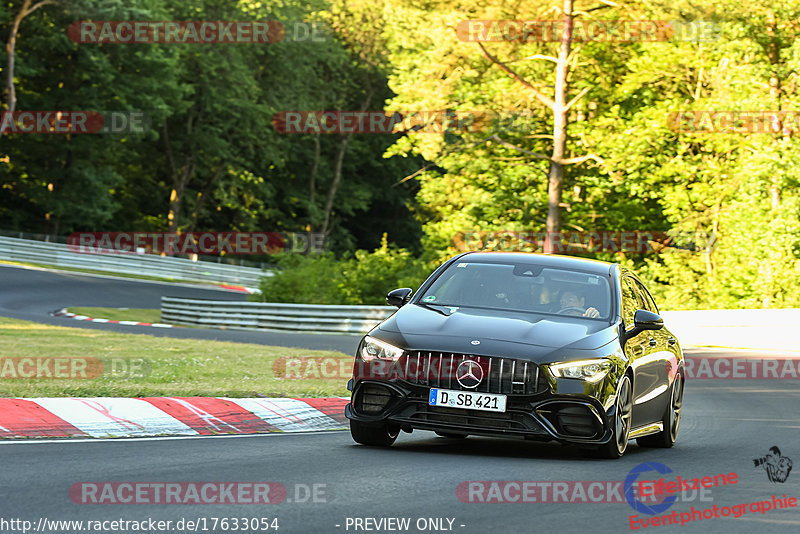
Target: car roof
<point x="549" y="260"/>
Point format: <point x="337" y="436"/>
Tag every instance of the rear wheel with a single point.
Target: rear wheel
<point x="671" y="420"/>
<point x="382" y="435"/>
<point x="623" y="409"/>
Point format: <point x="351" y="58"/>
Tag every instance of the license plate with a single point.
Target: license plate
<point x="468" y="400"/>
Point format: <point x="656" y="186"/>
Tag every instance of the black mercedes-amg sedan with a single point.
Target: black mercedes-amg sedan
<point x="541" y="347"/>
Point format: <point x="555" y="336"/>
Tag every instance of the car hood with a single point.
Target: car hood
<point x="501" y="333"/>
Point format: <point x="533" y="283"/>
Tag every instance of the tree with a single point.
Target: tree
<point x="60" y="183"/>
<point x="560" y="107"/>
<point x="25" y="9"/>
<point x="504" y="160"/>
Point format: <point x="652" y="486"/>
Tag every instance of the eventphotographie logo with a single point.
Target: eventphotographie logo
<point x="777" y="467"/>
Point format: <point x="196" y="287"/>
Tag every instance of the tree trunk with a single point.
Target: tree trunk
<point x="179" y="181"/>
<point x="556" y="175"/>
<point x="11" y="46"/>
<point x="337" y="179"/>
<point x="774" y="55"/>
<point x="312" y="180"/>
<point x="337" y="170"/>
<point x="180" y="178"/>
<point x="201" y="197"/>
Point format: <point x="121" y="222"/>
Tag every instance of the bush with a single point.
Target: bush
<point x="363" y="278"/>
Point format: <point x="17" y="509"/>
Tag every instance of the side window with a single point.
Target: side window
<point x="650" y="304"/>
<point x="630" y="301"/>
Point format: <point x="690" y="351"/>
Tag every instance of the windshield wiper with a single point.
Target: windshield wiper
<point x="450" y="309"/>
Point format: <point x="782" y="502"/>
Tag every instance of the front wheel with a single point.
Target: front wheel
<point x="382" y="435"/>
<point x="623" y="409"/>
<point x="671" y="420"/>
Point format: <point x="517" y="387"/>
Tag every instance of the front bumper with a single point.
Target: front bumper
<point x="564" y="410"/>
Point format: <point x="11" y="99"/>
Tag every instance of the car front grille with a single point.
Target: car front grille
<point x="474" y="418"/>
<point x="500" y="375"/>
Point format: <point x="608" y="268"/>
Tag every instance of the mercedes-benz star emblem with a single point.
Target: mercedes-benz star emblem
<point x="475" y="342"/>
<point x="469" y="374"/>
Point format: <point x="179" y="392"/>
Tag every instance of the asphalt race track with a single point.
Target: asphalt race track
<point x="726" y="424"/>
<point x="32" y="294"/>
<point x="724" y="427"/>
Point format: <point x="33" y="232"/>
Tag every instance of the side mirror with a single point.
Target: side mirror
<point x="645" y="320"/>
<point x="399" y="297"/>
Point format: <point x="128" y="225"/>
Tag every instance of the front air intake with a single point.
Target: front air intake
<point x="373" y="398"/>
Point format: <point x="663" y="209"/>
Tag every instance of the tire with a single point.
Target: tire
<point x="623" y="408"/>
<point x="671" y="420"/>
<point x="374" y="436"/>
<point x="450" y="435"/>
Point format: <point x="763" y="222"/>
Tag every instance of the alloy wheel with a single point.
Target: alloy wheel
<point x="675" y="407"/>
<point x="623" y="418"/>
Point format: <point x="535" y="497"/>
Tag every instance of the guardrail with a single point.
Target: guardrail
<point x="273" y="316"/>
<point x="58" y="254"/>
<point x="752" y="329"/>
<point x="758" y="329"/>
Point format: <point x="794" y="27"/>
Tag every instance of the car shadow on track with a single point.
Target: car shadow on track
<point x="500" y="448"/>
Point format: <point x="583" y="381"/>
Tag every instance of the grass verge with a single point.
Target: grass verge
<point x="140" y="365"/>
<point x="141" y="315"/>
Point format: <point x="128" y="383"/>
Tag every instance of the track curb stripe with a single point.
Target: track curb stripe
<point x="209" y="415"/>
<point x="25" y="418"/>
<point x="240" y="289"/>
<point x="117" y="417"/>
<point x="64" y="313"/>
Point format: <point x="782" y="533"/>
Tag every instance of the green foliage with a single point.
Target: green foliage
<point x="742" y="189"/>
<point x="363" y="278"/>
<point x="211" y="138"/>
<point x="211" y="107"/>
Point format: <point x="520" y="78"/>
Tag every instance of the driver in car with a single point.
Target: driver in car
<point x="570" y="302"/>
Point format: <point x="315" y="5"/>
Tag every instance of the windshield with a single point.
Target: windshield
<point x="521" y="287"/>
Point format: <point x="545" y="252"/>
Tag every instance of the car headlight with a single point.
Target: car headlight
<point x="589" y="370"/>
<point x="373" y="348"/>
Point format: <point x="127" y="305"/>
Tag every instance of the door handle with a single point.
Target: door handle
<point x="653" y="342"/>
